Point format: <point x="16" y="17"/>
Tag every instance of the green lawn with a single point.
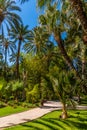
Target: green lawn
<point x="77" y="121"/>
<point x="11" y="110"/>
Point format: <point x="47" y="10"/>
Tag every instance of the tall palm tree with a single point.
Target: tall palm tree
<point x="19" y="34"/>
<point x="55" y="25"/>
<point x="8" y="15"/>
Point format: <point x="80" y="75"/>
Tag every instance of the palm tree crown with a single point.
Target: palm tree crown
<point x="38" y="41"/>
<point x="8" y="16"/>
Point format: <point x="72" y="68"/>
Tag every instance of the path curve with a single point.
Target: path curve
<point x="29" y="115"/>
<point x="32" y="114"/>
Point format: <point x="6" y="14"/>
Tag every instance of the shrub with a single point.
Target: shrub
<point x="34" y="95"/>
<point x="2" y="104"/>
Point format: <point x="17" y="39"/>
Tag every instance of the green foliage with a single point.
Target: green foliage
<point x="47" y="91"/>
<point x="17" y="86"/>
<point x="34" y="95"/>
<point x="63" y="83"/>
<point x="28" y="105"/>
<point x="12" y="90"/>
<point x="2" y="104"/>
<point x="2" y="83"/>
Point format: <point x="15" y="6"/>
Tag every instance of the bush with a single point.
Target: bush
<point x="2" y="104"/>
<point x="34" y="95"/>
<point x="28" y="105"/>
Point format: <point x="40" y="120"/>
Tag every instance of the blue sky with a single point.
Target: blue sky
<point x="29" y="13"/>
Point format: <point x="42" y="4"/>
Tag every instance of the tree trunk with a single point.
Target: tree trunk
<point x="64" y="114"/>
<point x="65" y="55"/>
<point x="83" y="69"/>
<point x="83" y="57"/>
<point x="78" y="8"/>
<point x="5" y="67"/>
<point x="17" y="60"/>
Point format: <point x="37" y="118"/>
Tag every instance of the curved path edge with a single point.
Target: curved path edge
<point x="32" y="114"/>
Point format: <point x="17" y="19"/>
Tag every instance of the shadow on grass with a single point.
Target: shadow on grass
<point x="77" y="120"/>
<point x="43" y="124"/>
<point x="30" y="127"/>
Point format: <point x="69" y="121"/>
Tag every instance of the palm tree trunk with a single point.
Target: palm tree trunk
<point x="17" y="60"/>
<point x="64" y="112"/>
<point x="65" y="55"/>
<point x="78" y="7"/>
<point x="5" y="68"/>
<point x="83" y="61"/>
<point x="83" y="69"/>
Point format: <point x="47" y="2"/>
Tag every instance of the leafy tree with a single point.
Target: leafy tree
<point x="36" y="69"/>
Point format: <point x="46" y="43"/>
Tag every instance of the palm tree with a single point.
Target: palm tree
<point x="8" y="47"/>
<point x="55" y="25"/>
<point x="38" y="41"/>
<point x="63" y="84"/>
<point x="8" y="15"/>
<point x="77" y="6"/>
<point x="20" y="34"/>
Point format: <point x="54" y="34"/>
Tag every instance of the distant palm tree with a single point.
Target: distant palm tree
<point x="20" y="34"/>
<point x="8" y="47"/>
<point x="38" y="41"/>
<point x="8" y="15"/>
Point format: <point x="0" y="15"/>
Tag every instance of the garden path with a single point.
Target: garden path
<point x="32" y="114"/>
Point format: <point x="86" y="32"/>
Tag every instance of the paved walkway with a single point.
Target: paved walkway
<point x="26" y="116"/>
<point x="32" y="114"/>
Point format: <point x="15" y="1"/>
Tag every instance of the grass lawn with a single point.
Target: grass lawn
<point x="77" y="121"/>
<point x="11" y="110"/>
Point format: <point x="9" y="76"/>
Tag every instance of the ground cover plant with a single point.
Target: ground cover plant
<point x="77" y="120"/>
